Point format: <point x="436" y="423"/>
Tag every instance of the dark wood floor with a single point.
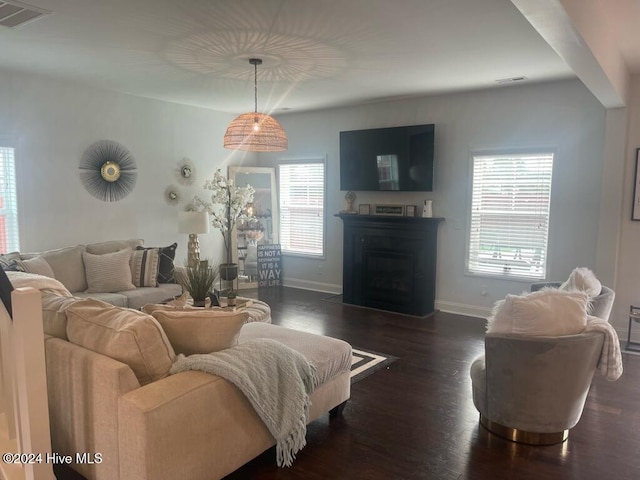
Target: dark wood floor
<point x="416" y="419"/>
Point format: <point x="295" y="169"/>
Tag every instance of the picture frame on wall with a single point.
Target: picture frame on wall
<point x="364" y="209"/>
<point x="635" y="208"/>
<point x="410" y="210"/>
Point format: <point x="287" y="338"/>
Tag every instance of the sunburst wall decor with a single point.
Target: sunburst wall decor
<point x="186" y="172"/>
<point x="172" y="195"/>
<point x="108" y="170"/>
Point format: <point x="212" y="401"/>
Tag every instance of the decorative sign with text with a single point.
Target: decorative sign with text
<point x="391" y="210"/>
<point x="269" y="266"/>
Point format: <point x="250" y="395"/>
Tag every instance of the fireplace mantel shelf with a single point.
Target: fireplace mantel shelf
<point x="389" y="262"/>
<point x="388" y="218"/>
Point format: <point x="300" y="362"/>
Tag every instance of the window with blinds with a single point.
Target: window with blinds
<point x="509" y="226"/>
<point x="302" y="188"/>
<point x="9" y="239"/>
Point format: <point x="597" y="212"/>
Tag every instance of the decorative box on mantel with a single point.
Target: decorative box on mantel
<point x="390" y="262"/>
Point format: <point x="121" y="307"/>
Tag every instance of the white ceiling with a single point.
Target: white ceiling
<point x="317" y="53"/>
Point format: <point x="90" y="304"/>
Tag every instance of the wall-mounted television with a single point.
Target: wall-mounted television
<point x="393" y="159"/>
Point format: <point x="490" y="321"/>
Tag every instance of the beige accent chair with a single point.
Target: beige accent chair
<point x="532" y="390"/>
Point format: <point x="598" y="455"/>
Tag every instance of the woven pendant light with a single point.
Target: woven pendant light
<point x="255" y="132"/>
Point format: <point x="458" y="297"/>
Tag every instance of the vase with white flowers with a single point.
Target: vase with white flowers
<point x="227" y="207"/>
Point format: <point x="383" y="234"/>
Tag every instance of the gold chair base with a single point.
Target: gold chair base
<point x="520" y="436"/>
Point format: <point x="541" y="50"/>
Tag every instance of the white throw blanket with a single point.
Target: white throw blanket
<point x="276" y="379"/>
<point x="39" y="282"/>
<point x="610" y="361"/>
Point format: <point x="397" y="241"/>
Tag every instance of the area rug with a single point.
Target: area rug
<point x="366" y="362"/>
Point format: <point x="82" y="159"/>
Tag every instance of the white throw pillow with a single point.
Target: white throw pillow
<point x="584" y="280"/>
<point x="108" y="273"/>
<point x="547" y="312"/>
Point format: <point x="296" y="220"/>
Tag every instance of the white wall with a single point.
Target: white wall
<point x="597" y="23"/>
<point x="55" y="122"/>
<point x="561" y="115"/>
<point x="628" y="273"/>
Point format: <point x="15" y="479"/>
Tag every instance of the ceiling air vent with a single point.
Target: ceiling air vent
<point x="13" y="14"/>
<point x="511" y="80"/>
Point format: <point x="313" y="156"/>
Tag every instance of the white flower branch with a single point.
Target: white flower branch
<point x="227" y="207"/>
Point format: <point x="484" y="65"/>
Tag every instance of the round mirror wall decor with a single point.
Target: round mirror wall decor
<point x="108" y="171"/>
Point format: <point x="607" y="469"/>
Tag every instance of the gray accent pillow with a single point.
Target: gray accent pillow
<point x="108" y="273"/>
<point x="36" y="265"/>
<point x="68" y="267"/>
<point x="8" y="260"/>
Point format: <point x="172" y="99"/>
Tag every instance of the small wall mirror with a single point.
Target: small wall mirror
<point x="263" y="228"/>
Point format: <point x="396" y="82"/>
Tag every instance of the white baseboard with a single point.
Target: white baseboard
<point x="310" y="285"/>
<point x="461" y="309"/>
<point x="450" y="307"/>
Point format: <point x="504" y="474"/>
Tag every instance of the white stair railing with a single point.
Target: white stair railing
<point x="24" y="415"/>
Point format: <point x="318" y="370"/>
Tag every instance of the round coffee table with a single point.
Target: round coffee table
<point x="258" y="310"/>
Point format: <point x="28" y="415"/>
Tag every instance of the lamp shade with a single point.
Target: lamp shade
<point x="255" y="132"/>
<point x="193" y="222"/>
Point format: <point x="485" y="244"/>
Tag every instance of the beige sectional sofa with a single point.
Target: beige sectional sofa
<point x="99" y="271"/>
<point x="146" y="423"/>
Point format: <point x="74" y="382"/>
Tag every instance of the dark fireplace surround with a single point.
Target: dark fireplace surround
<point x="389" y="262"/>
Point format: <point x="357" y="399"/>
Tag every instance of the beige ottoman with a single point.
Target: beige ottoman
<point x="330" y="356"/>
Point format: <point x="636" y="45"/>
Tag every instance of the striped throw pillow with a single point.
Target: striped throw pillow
<point x="144" y="267"/>
<point x="166" y="269"/>
<point x="108" y="273"/>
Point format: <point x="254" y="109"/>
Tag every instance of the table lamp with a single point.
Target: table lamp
<point x="193" y="223"/>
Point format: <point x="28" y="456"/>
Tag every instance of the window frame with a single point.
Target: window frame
<point x="299" y="161"/>
<point x="8" y="141"/>
<point x="541" y="150"/>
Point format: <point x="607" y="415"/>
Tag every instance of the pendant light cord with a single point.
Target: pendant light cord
<point x="255" y="62"/>
<point x="255" y="86"/>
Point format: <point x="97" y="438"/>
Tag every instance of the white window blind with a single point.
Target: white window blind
<point x="302" y="208"/>
<point x="9" y="239"/>
<point x="511" y="196"/>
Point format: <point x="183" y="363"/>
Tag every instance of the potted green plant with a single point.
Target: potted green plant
<point x="198" y="282"/>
